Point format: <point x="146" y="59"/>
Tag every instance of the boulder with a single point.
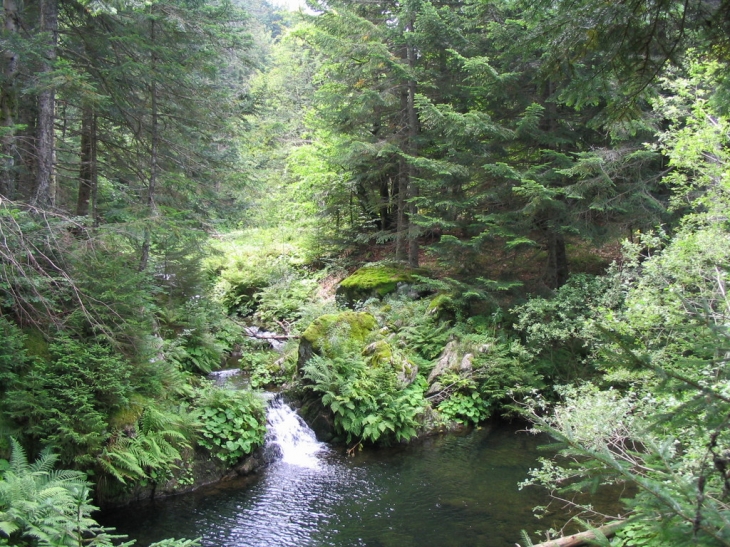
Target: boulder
<point x="316" y="339"/>
<point x="449" y="360"/>
<point x="376" y="282"/>
<point x="457" y="358"/>
<point x="381" y="354"/>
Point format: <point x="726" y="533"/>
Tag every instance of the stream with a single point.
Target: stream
<point x="445" y="491"/>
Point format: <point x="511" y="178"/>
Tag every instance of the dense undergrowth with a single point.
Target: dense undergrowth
<point x="625" y="366"/>
<point x="109" y="333"/>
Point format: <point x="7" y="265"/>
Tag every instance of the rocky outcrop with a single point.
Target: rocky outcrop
<point x="381" y="354"/>
<point x="454" y="358"/>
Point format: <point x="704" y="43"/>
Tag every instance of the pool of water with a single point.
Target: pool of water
<point x="447" y="491"/>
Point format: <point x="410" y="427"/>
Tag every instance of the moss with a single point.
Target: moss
<point x="359" y="326"/>
<point x="440" y="302"/>
<point x="128" y="415"/>
<point x="382" y="279"/>
<point x="378" y="353"/>
<point x="375" y="281"/>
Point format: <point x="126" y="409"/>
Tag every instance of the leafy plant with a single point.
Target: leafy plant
<point x="412" y="326"/>
<point x="148" y="450"/>
<point x="465" y="408"/>
<point x="67" y="400"/>
<point x="281" y="301"/>
<point x="43" y="507"/>
<point x="368" y="402"/>
<point x="557" y="331"/>
<point x="199" y="335"/>
<point x="40" y="506"/>
<point x="233" y="423"/>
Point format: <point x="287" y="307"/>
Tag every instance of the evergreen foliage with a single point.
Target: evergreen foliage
<point x="667" y="435"/>
<point x="170" y="170"/>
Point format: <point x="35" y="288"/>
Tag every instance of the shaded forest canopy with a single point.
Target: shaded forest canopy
<point x="539" y="191"/>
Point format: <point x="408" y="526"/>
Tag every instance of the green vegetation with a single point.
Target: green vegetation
<point x="369" y="403"/>
<point x="373" y="281"/>
<point x="232" y="423"/>
<point x="550" y="179"/>
<point x="354" y="327"/>
<point x="49" y="508"/>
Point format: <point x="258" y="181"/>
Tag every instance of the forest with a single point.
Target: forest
<point x="448" y="212"/>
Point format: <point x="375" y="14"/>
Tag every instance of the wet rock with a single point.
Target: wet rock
<point x="201" y="470"/>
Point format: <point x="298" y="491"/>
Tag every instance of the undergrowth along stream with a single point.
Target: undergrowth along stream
<point x="450" y="491"/>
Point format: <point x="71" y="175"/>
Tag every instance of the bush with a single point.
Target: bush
<point x="148" y="449"/>
<point x="198" y="335"/>
<point x="43" y="507"/>
<point x="66" y="402"/>
<point x="557" y="331"/>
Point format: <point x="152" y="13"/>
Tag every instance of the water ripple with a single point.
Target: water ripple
<point x="447" y="492"/>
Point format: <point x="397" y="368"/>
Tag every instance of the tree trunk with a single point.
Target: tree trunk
<point x="26" y="174"/>
<point x="583" y="538"/>
<point x="401" y="234"/>
<point x="413" y="130"/>
<point x="557" y="262"/>
<point x="87" y="172"/>
<point x="386" y="222"/>
<point x="44" y="190"/>
<point x="8" y="103"/>
<point x="154" y="145"/>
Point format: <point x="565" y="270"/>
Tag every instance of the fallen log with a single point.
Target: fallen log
<point x="582" y="538"/>
<point x="253" y="332"/>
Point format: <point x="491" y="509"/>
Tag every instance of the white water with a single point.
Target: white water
<point x="291" y="437"/>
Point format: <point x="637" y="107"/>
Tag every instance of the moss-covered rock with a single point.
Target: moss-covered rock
<point x="355" y="327"/>
<point x="381" y="354"/>
<point x="374" y="282"/>
<point x="442" y="307"/>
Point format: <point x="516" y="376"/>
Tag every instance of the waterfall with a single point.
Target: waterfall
<point x="290" y="438"/>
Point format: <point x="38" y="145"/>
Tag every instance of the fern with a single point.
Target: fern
<point x="48" y="507"/>
<point x="151" y="451"/>
<point x="368" y="402"/>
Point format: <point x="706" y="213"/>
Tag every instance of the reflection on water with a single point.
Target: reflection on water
<point x="450" y="491"/>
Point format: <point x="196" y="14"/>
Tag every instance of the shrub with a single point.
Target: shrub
<point x="66" y="402"/>
<point x="557" y="331"/>
<point x="43" y="507"/>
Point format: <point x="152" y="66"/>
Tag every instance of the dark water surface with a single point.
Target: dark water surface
<point x="449" y="491"/>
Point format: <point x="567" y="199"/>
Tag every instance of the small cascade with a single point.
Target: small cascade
<point x="230" y="378"/>
<point x="290" y="438"/>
